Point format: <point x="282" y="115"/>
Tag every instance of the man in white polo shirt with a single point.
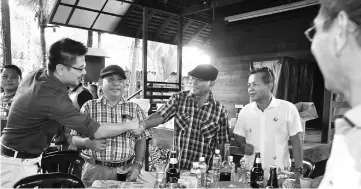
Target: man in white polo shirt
<point x="266" y="124"/>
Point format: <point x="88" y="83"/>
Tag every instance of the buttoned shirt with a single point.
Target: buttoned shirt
<point x="121" y="147"/>
<point x="41" y="105"/>
<point x="343" y="168"/>
<point x="268" y="131"/>
<point x="197" y="129"/>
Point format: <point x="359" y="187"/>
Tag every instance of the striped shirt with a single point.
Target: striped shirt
<point x="121" y="147"/>
<point x="198" y="129"/>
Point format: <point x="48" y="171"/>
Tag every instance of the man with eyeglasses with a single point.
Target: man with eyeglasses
<point x="200" y="121"/>
<point x="266" y="124"/>
<point x="41" y="105"/>
<point x="336" y="46"/>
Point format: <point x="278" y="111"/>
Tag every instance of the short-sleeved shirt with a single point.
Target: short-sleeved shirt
<point x="268" y="131"/>
<point x="5" y="104"/>
<point x="343" y="168"/>
<point x="121" y="147"/>
<point x="40" y="106"/>
<point x="198" y="129"/>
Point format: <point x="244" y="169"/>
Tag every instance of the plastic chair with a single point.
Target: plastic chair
<point x="308" y="167"/>
<point x="50" y="180"/>
<point x="63" y="162"/>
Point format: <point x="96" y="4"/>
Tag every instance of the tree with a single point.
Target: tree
<point x="134" y="65"/>
<point x="90" y="39"/>
<point x="6" y="39"/>
<point x="41" y="9"/>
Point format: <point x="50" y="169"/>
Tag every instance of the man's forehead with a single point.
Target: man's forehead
<point x="9" y="71"/>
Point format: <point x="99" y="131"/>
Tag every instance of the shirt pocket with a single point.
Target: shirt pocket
<point x="209" y="129"/>
<point x="281" y="127"/>
<point x="183" y="121"/>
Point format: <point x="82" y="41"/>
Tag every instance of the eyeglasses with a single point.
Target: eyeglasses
<point x="79" y="69"/>
<point x="310" y="33"/>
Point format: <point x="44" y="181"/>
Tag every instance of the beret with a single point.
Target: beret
<point x="205" y="72"/>
<point x="112" y="69"/>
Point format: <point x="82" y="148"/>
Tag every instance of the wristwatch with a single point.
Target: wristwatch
<point x="300" y="170"/>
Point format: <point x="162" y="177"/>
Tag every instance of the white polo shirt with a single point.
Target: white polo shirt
<point x="269" y="130"/>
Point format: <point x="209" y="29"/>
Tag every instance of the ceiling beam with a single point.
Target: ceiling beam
<point x="150" y="15"/>
<point x="185" y="27"/>
<point x="197" y="18"/>
<point x="207" y="6"/>
<point x="164" y="25"/>
<point x="153" y="4"/>
<point x="196" y="34"/>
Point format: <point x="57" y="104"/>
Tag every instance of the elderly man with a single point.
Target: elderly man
<point x="124" y="151"/>
<point x="41" y="105"/>
<point x="336" y="46"/>
<point x="201" y="122"/>
<point x="266" y="124"/>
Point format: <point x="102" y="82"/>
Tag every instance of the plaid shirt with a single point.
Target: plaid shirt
<point x="197" y="129"/>
<point x="121" y="147"/>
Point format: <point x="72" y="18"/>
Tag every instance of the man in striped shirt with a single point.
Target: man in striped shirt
<point x="200" y="122"/>
<point x="125" y="151"/>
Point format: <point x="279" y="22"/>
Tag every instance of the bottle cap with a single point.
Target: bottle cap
<point x="201" y="158"/>
<point x="230" y="158"/>
<point x="218" y="151"/>
<point x="195" y="164"/>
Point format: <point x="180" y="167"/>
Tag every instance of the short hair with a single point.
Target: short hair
<point x="64" y="52"/>
<point x="14" y="67"/>
<point x="267" y="76"/>
<point x="331" y="8"/>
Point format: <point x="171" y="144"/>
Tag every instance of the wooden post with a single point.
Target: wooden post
<point x="179" y="51"/>
<point x="145" y="48"/>
<point x="326" y="118"/>
<point x="5" y="13"/>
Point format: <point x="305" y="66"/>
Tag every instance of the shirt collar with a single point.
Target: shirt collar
<point x="209" y="100"/>
<point x="56" y="80"/>
<point x="103" y="99"/>
<point x="354" y="115"/>
<point x="273" y="104"/>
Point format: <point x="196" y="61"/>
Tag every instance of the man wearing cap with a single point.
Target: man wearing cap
<point x="123" y="152"/>
<point x="200" y="122"/>
<point x="41" y="105"/>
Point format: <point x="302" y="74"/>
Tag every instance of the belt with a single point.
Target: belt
<point x="16" y="154"/>
<point x="113" y="164"/>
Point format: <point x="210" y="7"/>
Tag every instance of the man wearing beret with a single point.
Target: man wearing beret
<point x="200" y="122"/>
<point x="41" y="105"/>
<point x="123" y="152"/>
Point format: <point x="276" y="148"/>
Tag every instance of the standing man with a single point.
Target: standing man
<point x="41" y="105"/>
<point x="266" y="124"/>
<point x="125" y="151"/>
<point x="336" y="45"/>
<point x="10" y="78"/>
<point x="201" y="122"/>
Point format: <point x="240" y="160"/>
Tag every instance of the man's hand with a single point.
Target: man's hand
<point x="138" y="127"/>
<point x="96" y="144"/>
<point x="133" y="172"/>
<point x="248" y="149"/>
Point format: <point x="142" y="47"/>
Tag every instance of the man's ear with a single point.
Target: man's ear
<point x="100" y="82"/>
<point x="211" y="83"/>
<point x="341" y="29"/>
<point x="59" y="68"/>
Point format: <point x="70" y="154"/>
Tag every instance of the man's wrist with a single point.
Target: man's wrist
<point x="138" y="163"/>
<point x="299" y="169"/>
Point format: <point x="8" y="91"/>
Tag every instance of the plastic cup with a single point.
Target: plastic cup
<point x="305" y="182"/>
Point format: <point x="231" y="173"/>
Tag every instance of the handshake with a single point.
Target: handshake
<point x="136" y="127"/>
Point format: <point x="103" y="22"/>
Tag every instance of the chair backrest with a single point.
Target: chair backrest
<point x="308" y="167"/>
<point x="63" y="162"/>
<point x="50" y="180"/>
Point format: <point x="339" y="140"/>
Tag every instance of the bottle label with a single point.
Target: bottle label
<point x="258" y="160"/>
<point x="173" y="161"/>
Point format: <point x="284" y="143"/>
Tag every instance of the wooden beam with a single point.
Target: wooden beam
<point x="326" y="116"/>
<point x="207" y="6"/>
<point x="164" y="25"/>
<point x="197" y="33"/>
<point x="153" y="4"/>
<point x="150" y="15"/>
<point x="186" y="26"/>
<point x="199" y="19"/>
<point x="144" y="49"/>
<point x="180" y="51"/>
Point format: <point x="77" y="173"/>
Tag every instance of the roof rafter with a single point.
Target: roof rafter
<point x="207" y="6"/>
<point x="196" y="34"/>
<point x="185" y="27"/>
<point x="150" y="15"/>
<point x="165" y="24"/>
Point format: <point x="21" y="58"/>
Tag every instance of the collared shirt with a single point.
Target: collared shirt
<point x="268" y="131"/>
<point x="40" y="106"/>
<point x="343" y="168"/>
<point x="121" y="147"/>
<point x="198" y="129"/>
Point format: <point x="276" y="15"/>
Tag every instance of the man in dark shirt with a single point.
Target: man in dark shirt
<point x="41" y="105"/>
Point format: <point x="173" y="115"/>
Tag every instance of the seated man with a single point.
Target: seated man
<point x="116" y="152"/>
<point x="10" y="79"/>
<point x="266" y="123"/>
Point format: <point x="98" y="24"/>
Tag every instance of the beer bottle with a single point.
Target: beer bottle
<point x="173" y="172"/>
<point x="272" y="180"/>
<point x="257" y="172"/>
